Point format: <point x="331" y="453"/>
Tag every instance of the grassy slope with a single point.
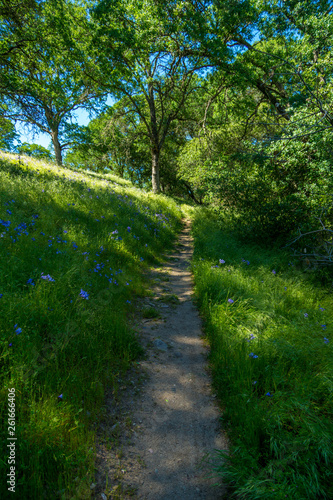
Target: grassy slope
<point x="271" y="337"/>
<point x="73" y="248"/>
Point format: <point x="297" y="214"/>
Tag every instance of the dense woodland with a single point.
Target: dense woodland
<point x="226" y="106"/>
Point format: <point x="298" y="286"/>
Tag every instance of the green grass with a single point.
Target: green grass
<point x="91" y="236"/>
<point x="271" y="336"/>
<point x="150" y="312"/>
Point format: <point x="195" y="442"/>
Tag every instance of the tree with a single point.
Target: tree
<point x="153" y="67"/>
<point x="41" y="81"/>
<point x="34" y="150"/>
<point x="7" y="134"/>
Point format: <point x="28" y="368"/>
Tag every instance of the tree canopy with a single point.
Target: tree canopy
<point x="222" y="102"/>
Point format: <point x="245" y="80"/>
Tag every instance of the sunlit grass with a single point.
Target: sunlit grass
<point x="73" y="250"/>
<point x="271" y="335"/>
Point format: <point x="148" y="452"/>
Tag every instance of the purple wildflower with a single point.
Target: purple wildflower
<point x="230" y="301"/>
<point x="221" y="261"/>
<point x="47" y="277"/>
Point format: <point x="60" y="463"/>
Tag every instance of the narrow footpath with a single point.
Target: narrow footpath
<point x="165" y="420"/>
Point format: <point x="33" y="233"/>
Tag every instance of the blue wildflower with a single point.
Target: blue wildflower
<point x="30" y="282"/>
<point x="18" y="331"/>
<point x="230" y="301"/>
<point x="221" y="261"/>
<point x="5" y="223"/>
<point x="47" y="277"/>
<point x="306" y="315"/>
<point x="326" y="340"/>
<point x="84" y="294"/>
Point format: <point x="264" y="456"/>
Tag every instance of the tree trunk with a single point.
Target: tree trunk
<point x="155" y="171"/>
<point x="57" y="147"/>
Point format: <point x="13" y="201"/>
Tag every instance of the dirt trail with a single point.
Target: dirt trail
<point x="162" y="434"/>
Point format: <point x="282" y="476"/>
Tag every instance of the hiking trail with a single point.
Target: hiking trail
<point x="164" y="419"/>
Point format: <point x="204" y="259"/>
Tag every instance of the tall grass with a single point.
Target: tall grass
<point x="73" y="248"/>
<point x="271" y="336"/>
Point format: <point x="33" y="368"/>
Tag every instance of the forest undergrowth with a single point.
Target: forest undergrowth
<point x="270" y="331"/>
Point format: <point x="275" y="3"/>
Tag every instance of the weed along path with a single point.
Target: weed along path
<point x="159" y="436"/>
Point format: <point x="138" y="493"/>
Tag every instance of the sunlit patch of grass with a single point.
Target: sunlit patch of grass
<point x="74" y="248"/>
<point x="271" y="335"/>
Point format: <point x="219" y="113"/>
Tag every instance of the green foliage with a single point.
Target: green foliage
<point x="7" y="134"/>
<point x="41" y="81"/>
<point x="34" y="150"/>
<point x="271" y="354"/>
<point x="73" y="252"/>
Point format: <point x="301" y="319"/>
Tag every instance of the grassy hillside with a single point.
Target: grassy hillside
<point x="73" y="248"/>
<point x="271" y="337"/>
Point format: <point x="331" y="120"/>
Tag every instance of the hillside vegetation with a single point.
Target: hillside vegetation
<point x="270" y="330"/>
<point x="73" y="250"/>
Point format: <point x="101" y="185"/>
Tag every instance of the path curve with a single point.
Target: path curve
<point x="175" y="418"/>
